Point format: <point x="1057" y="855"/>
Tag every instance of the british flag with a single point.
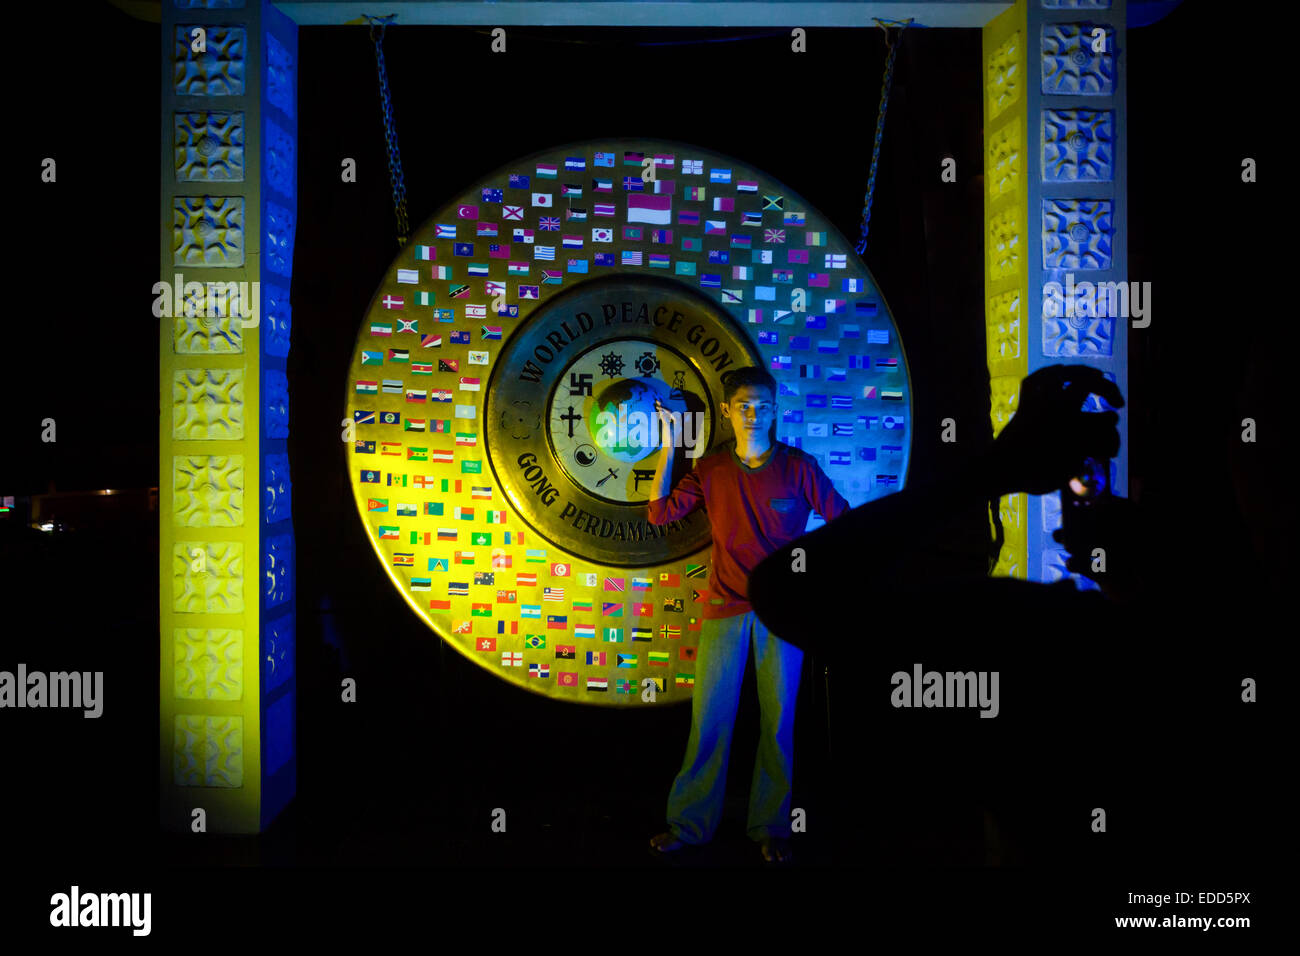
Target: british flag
<point x="549" y="223"/>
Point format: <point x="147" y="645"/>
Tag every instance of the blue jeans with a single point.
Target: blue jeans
<point x="696" y="800"/>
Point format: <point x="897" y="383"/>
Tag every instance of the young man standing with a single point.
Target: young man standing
<point x="758" y="493"/>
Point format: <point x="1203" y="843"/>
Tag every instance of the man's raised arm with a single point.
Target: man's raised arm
<point x="666" y="504"/>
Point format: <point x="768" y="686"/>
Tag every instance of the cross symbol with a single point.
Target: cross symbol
<point x="389" y="302"/>
<point x="570" y="418"/>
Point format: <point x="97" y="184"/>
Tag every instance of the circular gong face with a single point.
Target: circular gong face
<point x="571" y="408"/>
<point x="618" y="417"/>
<point x="503" y="386"/>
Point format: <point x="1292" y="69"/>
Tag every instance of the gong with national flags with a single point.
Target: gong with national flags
<point x="503" y="387"/>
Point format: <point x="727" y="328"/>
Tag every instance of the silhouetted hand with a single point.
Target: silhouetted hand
<point x="1048" y="438"/>
<point x="1111" y="524"/>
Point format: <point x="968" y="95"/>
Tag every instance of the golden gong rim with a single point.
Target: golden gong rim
<point x="536" y="608"/>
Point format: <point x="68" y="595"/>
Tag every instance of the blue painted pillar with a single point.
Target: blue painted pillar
<point x="1078" y="197"/>
<point x="1056" y="219"/>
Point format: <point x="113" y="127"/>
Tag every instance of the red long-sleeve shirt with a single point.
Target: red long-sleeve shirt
<point x="752" y="511"/>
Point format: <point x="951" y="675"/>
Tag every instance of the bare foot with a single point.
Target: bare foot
<point x="666" y="843"/>
<point x="776" y="850"/>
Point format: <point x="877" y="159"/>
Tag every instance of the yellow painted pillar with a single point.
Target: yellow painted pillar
<point x="226" y="582"/>
<point x="1006" y="243"/>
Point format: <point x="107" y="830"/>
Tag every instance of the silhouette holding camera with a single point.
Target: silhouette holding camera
<point x="864" y="563"/>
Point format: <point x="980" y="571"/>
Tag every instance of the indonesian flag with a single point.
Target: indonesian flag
<point x="653" y="209"/>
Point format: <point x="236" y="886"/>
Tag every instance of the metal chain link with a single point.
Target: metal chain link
<point x="390" y="129"/>
<point x="885" y="84"/>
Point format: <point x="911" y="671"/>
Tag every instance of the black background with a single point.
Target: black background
<point x="408" y="775"/>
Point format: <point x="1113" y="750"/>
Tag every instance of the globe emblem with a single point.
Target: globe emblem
<point x="623" y="422"/>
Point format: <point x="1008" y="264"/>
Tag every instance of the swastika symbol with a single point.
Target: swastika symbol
<point x="579" y="384"/>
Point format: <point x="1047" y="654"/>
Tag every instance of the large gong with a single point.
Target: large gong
<point x="503" y="385"/>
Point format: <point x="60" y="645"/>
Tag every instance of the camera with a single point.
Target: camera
<point x="1078" y="497"/>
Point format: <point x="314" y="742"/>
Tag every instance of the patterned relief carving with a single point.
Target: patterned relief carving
<point x="277" y="319"/>
<point x="281" y="160"/>
<point x="1005" y="161"/>
<point x="1053" y="565"/>
<point x="1077" y="233"/>
<point x="208" y="231"/>
<point x="219" y="299"/>
<point x="208" y="404"/>
<point x="1082" y="331"/>
<point x="208" y="491"/>
<point x="1078" y="145"/>
<point x="275" y="399"/>
<point x="218" y="588"/>
<point x="1070" y="68"/>
<point x="277" y="569"/>
<point x="1013" y="510"/>
<point x="1003" y="330"/>
<point x="277" y="652"/>
<point x="1004" y="399"/>
<point x="208" y="664"/>
<point x="219" y="70"/>
<point x="1006" y="244"/>
<point x="1068" y="296"/>
<point x="1004" y="81"/>
<point x="1012" y="558"/>
<point x="1095" y="403"/>
<point x="279" y="75"/>
<point x="277" y="492"/>
<point x="208" y="751"/>
<point x="209" y="146"/>
<point x="279" y="557"/>
<point x="1050" y="508"/>
<point x="279" y="239"/>
<point x="208" y="334"/>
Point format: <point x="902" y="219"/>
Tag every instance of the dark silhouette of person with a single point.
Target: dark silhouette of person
<point x="868" y="557"/>
<point x="864" y="594"/>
